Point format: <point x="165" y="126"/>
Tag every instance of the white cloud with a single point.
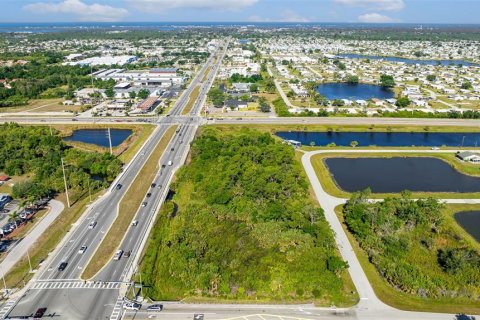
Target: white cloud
<point x="375" y="18"/>
<point x="85" y="12"/>
<point x="384" y="5"/>
<point x="163" y="5"/>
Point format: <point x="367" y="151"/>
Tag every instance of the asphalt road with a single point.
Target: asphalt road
<point x="62" y="292"/>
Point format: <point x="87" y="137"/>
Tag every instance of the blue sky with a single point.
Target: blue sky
<point x="407" y="11"/>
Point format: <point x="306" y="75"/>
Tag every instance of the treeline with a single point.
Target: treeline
<point x="41" y="80"/>
<point x="245" y="227"/>
<point x="34" y="151"/>
<point x="412" y="247"/>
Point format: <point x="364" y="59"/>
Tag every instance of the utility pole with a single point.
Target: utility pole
<point x="4" y="283"/>
<point x="29" y="262"/>
<point x="110" y="140"/>
<point x="65" y="181"/>
<point x="50" y="126"/>
<point x="89" y="191"/>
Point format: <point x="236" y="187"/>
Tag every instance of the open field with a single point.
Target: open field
<point x="331" y="187"/>
<point x="404" y="301"/>
<point x="191" y="101"/>
<point x="128" y="207"/>
<point x="42" y="105"/>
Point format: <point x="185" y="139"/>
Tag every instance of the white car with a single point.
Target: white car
<point x="132" y="306"/>
<point x="82" y="249"/>
<point x="118" y="255"/>
<point x="92" y="224"/>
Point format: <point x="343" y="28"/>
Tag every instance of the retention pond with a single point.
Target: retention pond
<point x="99" y="137"/>
<point x="470" y="221"/>
<point x="394" y="175"/>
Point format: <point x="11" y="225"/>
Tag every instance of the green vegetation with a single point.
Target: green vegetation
<point x="191" y="100"/>
<point x="241" y="226"/>
<point x="414" y="254"/>
<point x="34" y="150"/>
<point x="217" y="97"/>
<point x="128" y="207"/>
<point x="387" y="81"/>
<point x="352" y="79"/>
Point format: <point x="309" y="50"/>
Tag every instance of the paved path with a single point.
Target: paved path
<point x="370" y="306"/>
<point x="20" y="249"/>
<point x="280" y="90"/>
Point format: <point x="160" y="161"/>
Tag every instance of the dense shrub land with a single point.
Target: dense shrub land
<point x="36" y="152"/>
<point x="241" y="225"/>
<point x="413" y="248"/>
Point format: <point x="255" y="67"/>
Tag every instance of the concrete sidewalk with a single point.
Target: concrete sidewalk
<point x="20" y="249"/>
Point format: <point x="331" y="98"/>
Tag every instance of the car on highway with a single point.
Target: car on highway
<point x="173" y="149"/>
<point x="128" y="253"/>
<point x="149" y="195"/>
<point x="154" y="185"/>
<point x="82" y="249"/>
<point x="118" y="255"/>
<point x="62" y="266"/>
<point x="170" y="162"/>
<point x="144" y="204"/>
<point x="92" y="224"/>
<point x="119" y="186"/>
<point x="39" y="313"/>
<point x="155" y="307"/>
<point x="135" y="223"/>
<point x="132" y="306"/>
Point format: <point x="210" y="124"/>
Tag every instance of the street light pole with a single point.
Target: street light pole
<point x="29" y="262"/>
<point x="65" y="181"/>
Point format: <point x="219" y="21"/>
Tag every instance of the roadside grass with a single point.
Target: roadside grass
<point x="347" y="128"/>
<point x="19" y="275"/>
<point x="191" y="101"/>
<point x="404" y="301"/>
<point x="128" y="207"/>
<point x="7" y="186"/>
<point x="330" y="186"/>
<point x="207" y="72"/>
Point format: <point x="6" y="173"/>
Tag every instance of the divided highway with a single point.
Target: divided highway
<point x="63" y="293"/>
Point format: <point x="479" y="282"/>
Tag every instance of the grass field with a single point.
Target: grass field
<point x="331" y="187"/>
<point x="349" y="128"/>
<point x="207" y="72"/>
<point x="405" y="301"/>
<point x="43" y="105"/>
<point x="128" y="208"/>
<point x="19" y="275"/>
<point x="191" y="100"/>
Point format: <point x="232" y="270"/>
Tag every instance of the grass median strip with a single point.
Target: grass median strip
<point x="128" y="207"/>
<point x="191" y="100"/>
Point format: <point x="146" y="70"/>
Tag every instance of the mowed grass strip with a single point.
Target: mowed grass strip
<point x="191" y="101"/>
<point x="207" y="72"/>
<point x="128" y="207"/>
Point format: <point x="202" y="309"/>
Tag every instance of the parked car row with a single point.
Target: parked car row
<point x="23" y="216"/>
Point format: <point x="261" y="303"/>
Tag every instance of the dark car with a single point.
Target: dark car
<point x="127" y="253"/>
<point x="62" y="266"/>
<point x="155" y="307"/>
<point x="149" y="195"/>
<point x="119" y="186"/>
<point x="154" y="185"/>
<point x="39" y="313"/>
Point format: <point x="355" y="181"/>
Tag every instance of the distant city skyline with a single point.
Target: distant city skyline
<point x="363" y="11"/>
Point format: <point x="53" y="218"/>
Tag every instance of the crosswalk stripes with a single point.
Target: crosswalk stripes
<point x="44" y="285"/>
<point x="6" y="308"/>
<point x="117" y="309"/>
